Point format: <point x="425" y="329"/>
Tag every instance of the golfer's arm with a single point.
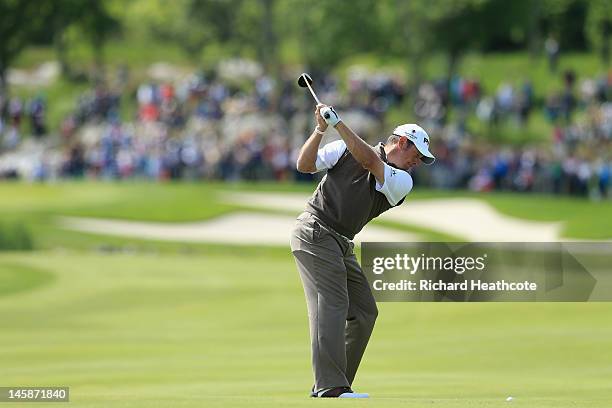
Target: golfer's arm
<point x="308" y="154"/>
<point x="362" y="152"/>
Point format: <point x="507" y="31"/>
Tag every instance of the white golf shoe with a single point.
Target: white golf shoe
<point x="338" y="392"/>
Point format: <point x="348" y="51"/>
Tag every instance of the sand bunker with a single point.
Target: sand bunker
<point x="242" y="228"/>
<point x="468" y="218"/>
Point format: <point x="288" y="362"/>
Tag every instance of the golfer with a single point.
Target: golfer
<point x="361" y="183"/>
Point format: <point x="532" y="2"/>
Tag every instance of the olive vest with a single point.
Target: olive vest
<point x="346" y="198"/>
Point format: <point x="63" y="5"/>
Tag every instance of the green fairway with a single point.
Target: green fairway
<point x="135" y="323"/>
<point x="145" y="330"/>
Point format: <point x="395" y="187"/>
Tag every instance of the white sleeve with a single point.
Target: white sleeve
<point x="328" y="155"/>
<point x="398" y="184"/>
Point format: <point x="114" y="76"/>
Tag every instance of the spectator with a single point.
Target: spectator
<point x="551" y="45"/>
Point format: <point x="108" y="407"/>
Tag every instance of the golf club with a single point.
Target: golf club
<point x="304" y="81"/>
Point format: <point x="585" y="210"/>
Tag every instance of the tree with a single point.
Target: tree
<point x="480" y="25"/>
<point x="27" y="22"/>
<point x="269" y="41"/>
<point x="330" y="31"/>
<point x="599" y="28"/>
<point x="191" y="24"/>
<point x="98" y="25"/>
<point x="241" y="27"/>
<point x="63" y="14"/>
<point x="20" y="24"/>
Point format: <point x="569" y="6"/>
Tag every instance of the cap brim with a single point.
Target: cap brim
<point x="428" y="158"/>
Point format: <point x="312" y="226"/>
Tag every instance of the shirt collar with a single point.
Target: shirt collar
<point x="381" y="152"/>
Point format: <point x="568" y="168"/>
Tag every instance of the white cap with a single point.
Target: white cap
<point x="419" y="137"/>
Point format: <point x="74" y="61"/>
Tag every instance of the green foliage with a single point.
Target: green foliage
<point x="25" y="22"/>
<point x="20" y="24"/>
<point x="477" y="25"/>
<point x="329" y="32"/>
<point x="177" y="24"/>
<point x="200" y="26"/>
<point x="318" y="33"/>
<point x="565" y="20"/>
<point x="97" y="23"/>
<point x="15" y="236"/>
<point x="599" y="27"/>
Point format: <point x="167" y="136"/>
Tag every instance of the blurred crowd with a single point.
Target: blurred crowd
<point x="575" y="158"/>
<point x="13" y="112"/>
<point x="205" y="126"/>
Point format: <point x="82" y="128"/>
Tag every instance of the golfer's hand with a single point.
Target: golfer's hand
<point x="321" y="124"/>
<point x="330" y="115"/>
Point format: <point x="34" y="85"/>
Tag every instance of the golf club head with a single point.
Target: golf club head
<point x="304" y="80"/>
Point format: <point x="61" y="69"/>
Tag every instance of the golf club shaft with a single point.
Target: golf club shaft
<point x="312" y="92"/>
